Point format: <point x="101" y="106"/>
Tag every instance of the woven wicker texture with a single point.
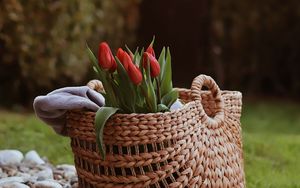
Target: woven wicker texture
<point x="198" y="145"/>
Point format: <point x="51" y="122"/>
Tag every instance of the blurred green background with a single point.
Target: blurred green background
<point x="250" y="46"/>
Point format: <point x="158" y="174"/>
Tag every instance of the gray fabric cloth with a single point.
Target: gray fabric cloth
<point x="52" y="108"/>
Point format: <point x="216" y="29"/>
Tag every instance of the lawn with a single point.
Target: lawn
<point x="26" y="132"/>
<point x="271" y="136"/>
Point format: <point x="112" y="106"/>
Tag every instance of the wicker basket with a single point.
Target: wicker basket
<point x="198" y="145"/>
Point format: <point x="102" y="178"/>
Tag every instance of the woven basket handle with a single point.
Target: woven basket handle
<point x="96" y="85"/>
<point x="207" y="81"/>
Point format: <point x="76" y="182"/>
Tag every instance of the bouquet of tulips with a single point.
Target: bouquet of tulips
<point x="133" y="82"/>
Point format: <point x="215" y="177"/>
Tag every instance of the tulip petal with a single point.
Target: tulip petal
<point x="105" y="58"/>
<point x="154" y="65"/>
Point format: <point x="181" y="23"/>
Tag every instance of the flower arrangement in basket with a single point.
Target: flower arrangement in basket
<point x="133" y="82"/>
<point x="135" y="140"/>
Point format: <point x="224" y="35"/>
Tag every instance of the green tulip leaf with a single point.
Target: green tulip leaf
<point x="151" y="97"/>
<point x="140" y="60"/>
<point x="128" y="49"/>
<point x="153" y="40"/>
<point x="95" y="69"/>
<point x="136" y="57"/>
<point x="126" y="89"/>
<point x="139" y="97"/>
<point x="166" y="84"/>
<point x="170" y="98"/>
<point x="94" y="60"/>
<point x="102" y="115"/>
<point x="162" y="108"/>
<point x="162" y="63"/>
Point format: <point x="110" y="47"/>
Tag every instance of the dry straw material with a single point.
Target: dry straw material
<point x="198" y="145"/>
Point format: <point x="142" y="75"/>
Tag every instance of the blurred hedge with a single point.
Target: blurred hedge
<point x="251" y="46"/>
<point x="256" y="44"/>
<point x="42" y="43"/>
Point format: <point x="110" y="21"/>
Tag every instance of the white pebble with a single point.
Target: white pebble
<point x="45" y="174"/>
<point x="33" y="158"/>
<point x="9" y="157"/>
<point x="12" y="179"/>
<point x="32" y="171"/>
<point x="14" y="185"/>
<point x="23" y="175"/>
<point x="47" y="184"/>
<point x="66" y="167"/>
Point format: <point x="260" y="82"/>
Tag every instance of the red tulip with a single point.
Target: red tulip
<point x="134" y="74"/>
<point x="154" y="66"/>
<point x="124" y="58"/>
<point x="150" y="50"/>
<point x="133" y="71"/>
<point x="105" y="58"/>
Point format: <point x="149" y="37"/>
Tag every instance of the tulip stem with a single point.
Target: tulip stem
<point x="158" y="90"/>
<point x="110" y="90"/>
<point x="112" y="76"/>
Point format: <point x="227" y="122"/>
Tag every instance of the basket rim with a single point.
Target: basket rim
<point x="121" y="115"/>
<point x="185" y="105"/>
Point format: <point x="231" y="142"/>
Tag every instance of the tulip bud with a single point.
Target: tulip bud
<point x="105" y="58"/>
<point x="150" y="50"/>
<point x="133" y="71"/>
<point x="124" y="58"/>
<point x="134" y="74"/>
<point x="154" y="66"/>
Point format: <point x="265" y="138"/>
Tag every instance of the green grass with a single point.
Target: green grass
<point x="271" y="137"/>
<point x="26" y="132"/>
